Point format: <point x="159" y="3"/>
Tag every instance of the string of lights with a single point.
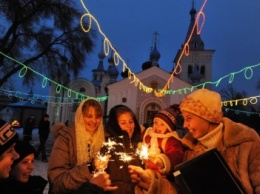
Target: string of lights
<point x="46" y="80"/>
<point x="75" y="97"/>
<point x="247" y="71"/>
<point x="107" y="45"/>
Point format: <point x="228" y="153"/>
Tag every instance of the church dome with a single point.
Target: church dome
<point x="147" y="65"/>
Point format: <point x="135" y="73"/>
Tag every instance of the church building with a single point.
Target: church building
<point x="196" y="69"/>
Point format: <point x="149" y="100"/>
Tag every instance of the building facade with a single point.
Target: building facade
<point x="196" y="69"/>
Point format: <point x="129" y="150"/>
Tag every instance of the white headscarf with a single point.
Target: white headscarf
<point x="83" y="137"/>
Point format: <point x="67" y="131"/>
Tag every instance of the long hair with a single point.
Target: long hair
<point x="112" y="126"/>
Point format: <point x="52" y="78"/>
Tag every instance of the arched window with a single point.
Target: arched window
<point x="82" y="90"/>
<point x="190" y="69"/>
<point x="150" y="111"/>
<point x="202" y="70"/>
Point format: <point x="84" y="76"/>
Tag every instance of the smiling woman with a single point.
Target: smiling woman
<point x="70" y="164"/>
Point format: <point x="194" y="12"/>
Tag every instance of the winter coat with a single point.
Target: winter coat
<point x="117" y="168"/>
<point x="240" y="147"/>
<point x="44" y="128"/>
<point x="170" y="150"/>
<point x="35" y="185"/>
<point x="63" y="172"/>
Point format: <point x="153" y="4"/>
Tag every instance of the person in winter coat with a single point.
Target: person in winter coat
<point x="21" y="181"/>
<point x="70" y="168"/>
<point x="238" y="144"/>
<point x="124" y="130"/>
<point x="28" y="128"/>
<point x="8" y="138"/>
<point x="165" y="150"/>
<point x="44" y="130"/>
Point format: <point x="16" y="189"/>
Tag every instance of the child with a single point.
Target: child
<point x="165" y="150"/>
<point x="21" y="181"/>
<point x="8" y="137"/>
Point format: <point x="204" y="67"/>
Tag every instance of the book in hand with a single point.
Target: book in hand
<point x="207" y="173"/>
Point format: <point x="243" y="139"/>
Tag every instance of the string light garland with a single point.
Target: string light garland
<point x="247" y="71"/>
<point x="118" y="59"/>
<point x="107" y="46"/>
<point x="252" y="100"/>
<point x="46" y="80"/>
<point x="247" y="113"/>
<point x="248" y="74"/>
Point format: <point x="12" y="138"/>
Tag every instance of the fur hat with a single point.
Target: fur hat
<point x="8" y="136"/>
<point x="169" y="117"/>
<point x="205" y="104"/>
<point x="23" y="149"/>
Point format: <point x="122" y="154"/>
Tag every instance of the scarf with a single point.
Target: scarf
<point x="211" y="139"/>
<point x="87" y="145"/>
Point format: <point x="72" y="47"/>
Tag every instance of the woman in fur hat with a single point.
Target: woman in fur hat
<point x="21" y="181"/>
<point x="238" y="144"/>
<point x="70" y="164"/>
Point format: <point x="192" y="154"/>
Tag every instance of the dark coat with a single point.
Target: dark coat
<point x="44" y="128"/>
<point x="35" y="185"/>
<point x="117" y="168"/>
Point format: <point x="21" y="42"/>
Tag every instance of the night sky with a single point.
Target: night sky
<point x="232" y="29"/>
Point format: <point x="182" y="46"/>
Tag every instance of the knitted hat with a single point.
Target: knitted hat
<point x="8" y="136"/>
<point x="205" y="104"/>
<point x="23" y="149"/>
<point x="169" y="117"/>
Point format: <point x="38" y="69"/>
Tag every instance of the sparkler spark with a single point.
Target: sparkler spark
<point x="143" y="152"/>
<point x="110" y="145"/>
<point x="124" y="157"/>
<point x="100" y="163"/>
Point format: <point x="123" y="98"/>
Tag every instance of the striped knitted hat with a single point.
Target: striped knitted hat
<point x="169" y="117"/>
<point x="8" y="136"/>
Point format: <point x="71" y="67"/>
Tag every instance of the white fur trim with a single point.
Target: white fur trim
<point x="166" y="162"/>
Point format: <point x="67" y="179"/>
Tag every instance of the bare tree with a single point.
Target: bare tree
<point x="230" y="93"/>
<point x="44" y="35"/>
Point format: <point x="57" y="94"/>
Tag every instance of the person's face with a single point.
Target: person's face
<point x="126" y="123"/>
<point x="197" y="126"/>
<point x="91" y="120"/>
<point x="23" y="169"/>
<point x="159" y="126"/>
<point x="6" y="161"/>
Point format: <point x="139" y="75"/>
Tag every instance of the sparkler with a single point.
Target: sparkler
<point x="110" y="145"/>
<point x="102" y="159"/>
<point x="143" y="152"/>
<point x="124" y="156"/>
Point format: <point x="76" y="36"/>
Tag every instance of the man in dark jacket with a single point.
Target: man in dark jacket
<point x="44" y="130"/>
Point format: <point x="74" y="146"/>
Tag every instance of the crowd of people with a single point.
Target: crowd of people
<point x="89" y="157"/>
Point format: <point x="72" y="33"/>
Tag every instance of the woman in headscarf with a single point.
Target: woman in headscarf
<point x="70" y="164"/>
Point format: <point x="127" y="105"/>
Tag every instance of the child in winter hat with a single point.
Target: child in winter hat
<point x="8" y="137"/>
<point x="21" y="179"/>
<point x="165" y="148"/>
<point x="23" y="149"/>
